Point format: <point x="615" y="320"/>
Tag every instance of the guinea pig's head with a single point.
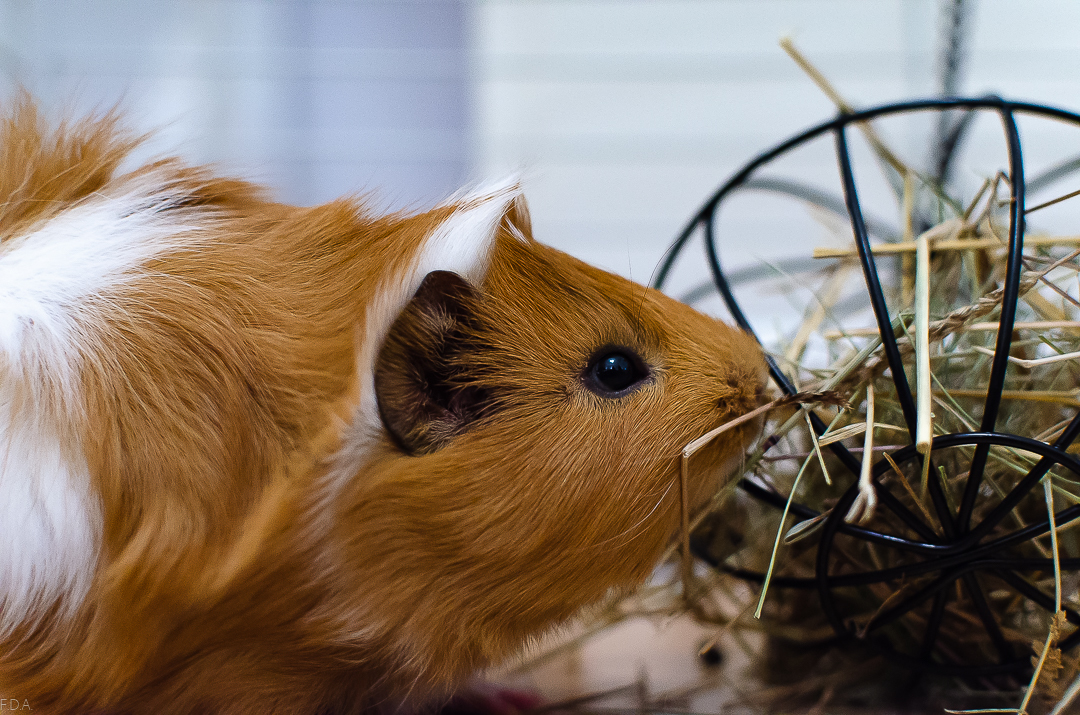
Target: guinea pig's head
<point x="534" y="418"/>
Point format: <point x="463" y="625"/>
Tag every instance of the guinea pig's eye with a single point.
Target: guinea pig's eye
<point x="612" y="372"/>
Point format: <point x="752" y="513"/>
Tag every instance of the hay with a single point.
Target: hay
<point x="948" y="357"/>
<point x="1041" y="400"/>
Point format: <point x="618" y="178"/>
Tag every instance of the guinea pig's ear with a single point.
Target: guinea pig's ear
<point x="462" y="242"/>
<point x="422" y="395"/>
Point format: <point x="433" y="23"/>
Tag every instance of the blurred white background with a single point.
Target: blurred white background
<point x="316" y="99"/>
<point x="622" y="115"/>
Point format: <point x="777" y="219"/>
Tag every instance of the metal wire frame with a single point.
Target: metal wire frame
<point x="961" y="554"/>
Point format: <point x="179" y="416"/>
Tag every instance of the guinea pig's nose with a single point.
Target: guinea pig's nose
<point x="738" y="395"/>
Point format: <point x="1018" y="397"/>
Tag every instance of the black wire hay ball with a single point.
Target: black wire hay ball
<point x="955" y="572"/>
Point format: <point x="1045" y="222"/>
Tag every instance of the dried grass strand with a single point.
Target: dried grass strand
<point x="1071" y="325"/>
<point x="829" y="91"/>
<point x="907" y="487"/>
<point x="958" y="244"/>
<point x="779" y="537"/>
<point x="866" y="502"/>
<point x="955" y="320"/>
<point x="1036" y="362"/>
<point x="817" y="449"/>
<point x="825" y="397"/>
<point x="924" y="428"/>
<point x="1051" y="202"/>
<point x="1055" y="625"/>
<point x="684" y="526"/>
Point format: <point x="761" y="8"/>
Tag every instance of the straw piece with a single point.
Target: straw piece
<point x="853" y="431"/>
<point x="886" y="249"/>
<point x="924" y="477"/>
<point x="840" y="434"/>
<point x="978" y="196"/>
<point x="1070" y="325"/>
<point x="815" y="74"/>
<point x="1041" y="305"/>
<point x="863" y="507"/>
<point x="1051" y="202"/>
<point x="823" y="397"/>
<point x="829" y="91"/>
<point x="1058" y="397"/>
<point x="779" y="533"/>
<point x="787" y="457"/>
<point x="907" y="487"/>
<point x="817" y="448"/>
<point x="1050" y="359"/>
<point x="1050" y="637"/>
<point x="805" y="528"/>
<point x="1059" y="615"/>
<point x="689" y="450"/>
<point x="924" y="429"/>
<point x="684" y="525"/>
<point x="1049" y="494"/>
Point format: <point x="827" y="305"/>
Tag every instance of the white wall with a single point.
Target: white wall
<point x="625" y="115"/>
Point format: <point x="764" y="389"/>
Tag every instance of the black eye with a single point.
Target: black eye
<point x="614" y="371"/>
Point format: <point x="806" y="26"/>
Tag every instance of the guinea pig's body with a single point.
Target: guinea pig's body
<point x="257" y="458"/>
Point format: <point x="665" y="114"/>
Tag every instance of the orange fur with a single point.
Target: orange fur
<point x="214" y="392"/>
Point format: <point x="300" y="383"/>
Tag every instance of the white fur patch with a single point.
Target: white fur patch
<point x="461" y="244"/>
<point x="54" y="293"/>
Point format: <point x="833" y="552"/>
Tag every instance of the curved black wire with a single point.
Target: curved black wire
<point x="997" y="637"/>
<point x="706" y="215"/>
<point x="961" y="554"/>
<point x="709" y="207"/>
<point x="950" y="561"/>
<point x="1010" y="297"/>
<point x="803" y="512"/>
<point x="940" y="555"/>
<point x="822" y="199"/>
<point x="961" y="559"/>
<point x="873" y="283"/>
<point x="1025" y="485"/>
<point x="956" y="568"/>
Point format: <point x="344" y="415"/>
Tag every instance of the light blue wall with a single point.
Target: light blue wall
<point x="315" y="98"/>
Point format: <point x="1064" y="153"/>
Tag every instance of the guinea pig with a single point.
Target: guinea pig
<point x="257" y="458"/>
